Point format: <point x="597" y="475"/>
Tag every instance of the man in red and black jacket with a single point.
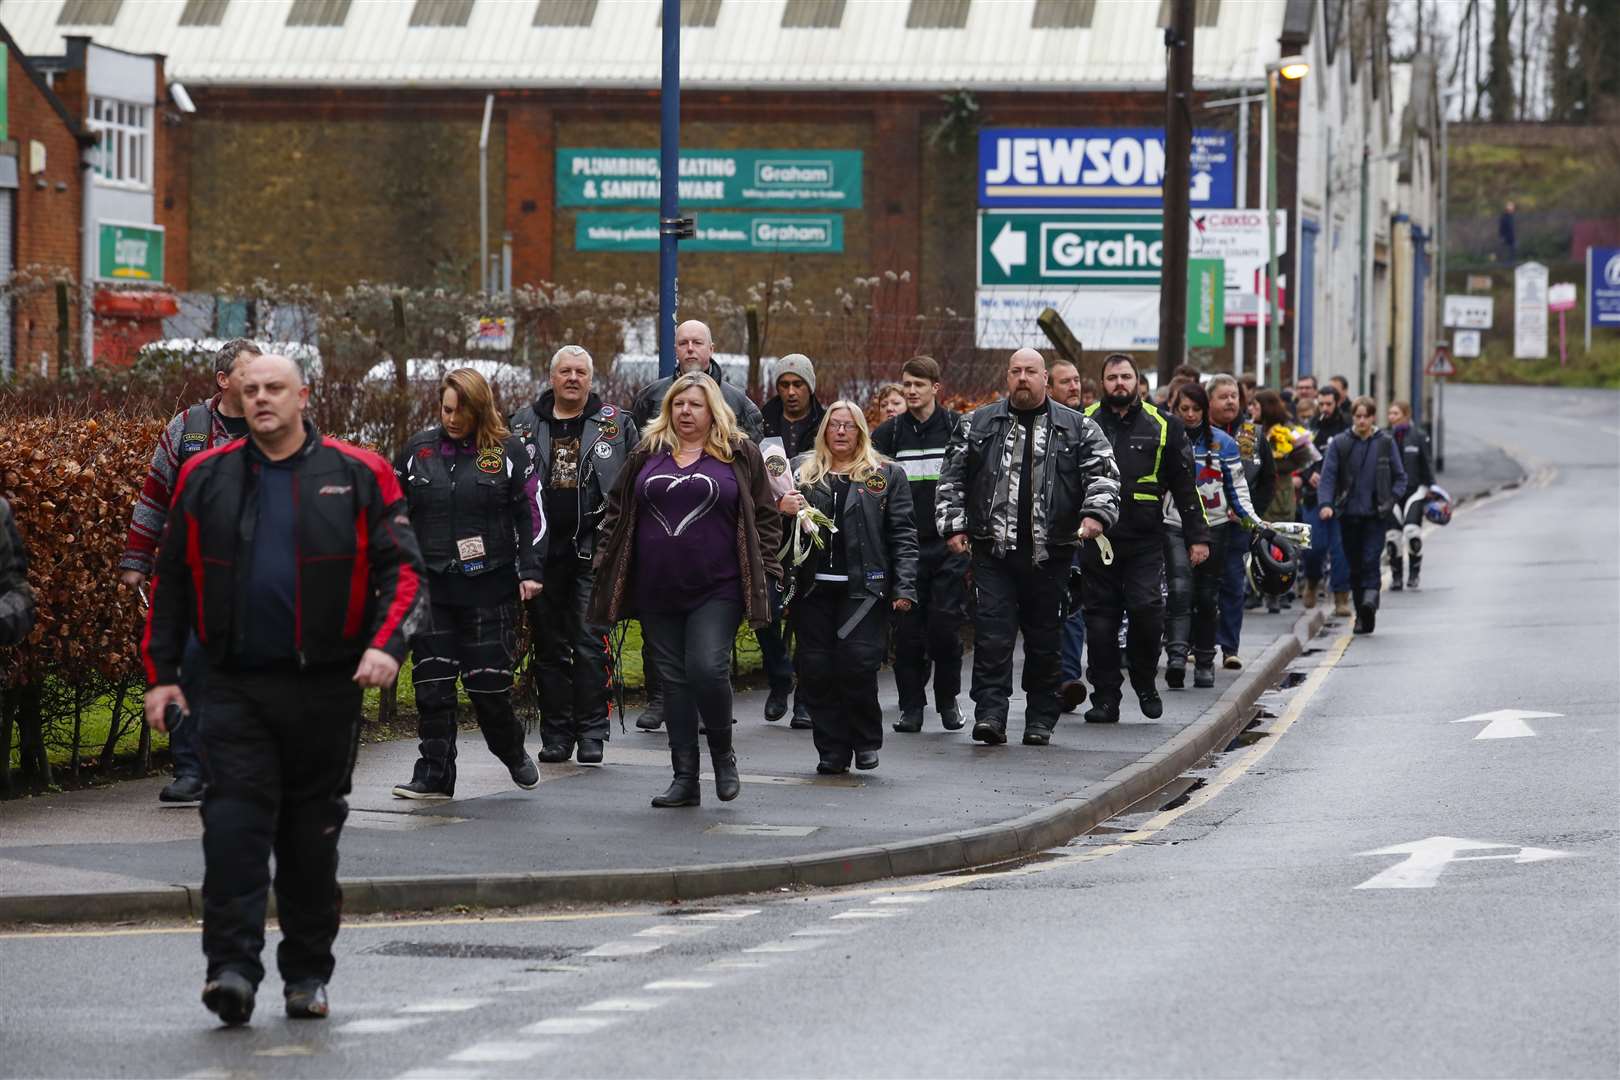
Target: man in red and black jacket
<point x="291" y="557"/>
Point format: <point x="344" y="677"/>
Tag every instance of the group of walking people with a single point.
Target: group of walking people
<point x="289" y="570"/>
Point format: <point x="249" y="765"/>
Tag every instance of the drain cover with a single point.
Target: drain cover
<point x="470" y="950"/>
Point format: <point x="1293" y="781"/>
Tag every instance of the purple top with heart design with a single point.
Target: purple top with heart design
<point x="686" y="535"/>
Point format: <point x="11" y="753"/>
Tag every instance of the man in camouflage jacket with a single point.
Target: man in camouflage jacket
<point x="1025" y="480"/>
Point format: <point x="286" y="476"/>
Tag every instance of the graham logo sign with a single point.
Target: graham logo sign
<point x="130" y="252"/>
<point x="1039" y="247"/>
<point x="740" y="178"/>
<point x="713" y="232"/>
<point x="1101" y="167"/>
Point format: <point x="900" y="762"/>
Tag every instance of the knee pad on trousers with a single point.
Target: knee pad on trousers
<point x="1414" y="536"/>
<point x="489" y="680"/>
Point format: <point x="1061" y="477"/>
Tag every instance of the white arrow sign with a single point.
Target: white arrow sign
<point x="1427" y="859"/>
<point x="1010" y="247"/>
<point x="1506" y="723"/>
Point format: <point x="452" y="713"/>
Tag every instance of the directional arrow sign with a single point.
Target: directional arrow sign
<point x="1010" y="248"/>
<point x="1506" y="723"/>
<point x="1427" y="859"/>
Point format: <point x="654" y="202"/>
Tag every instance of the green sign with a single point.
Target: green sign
<point x="1070" y="247"/>
<point x="758" y="178"/>
<point x="1206" y="303"/>
<point x="714" y="232"/>
<point x="130" y="252"/>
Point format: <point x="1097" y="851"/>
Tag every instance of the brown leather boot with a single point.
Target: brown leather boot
<point x="1341" y="604"/>
<point x="1310" y="594"/>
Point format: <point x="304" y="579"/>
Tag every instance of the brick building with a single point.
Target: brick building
<point x="336" y="142"/>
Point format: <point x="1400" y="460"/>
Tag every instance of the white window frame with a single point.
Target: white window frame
<point x="124" y="148"/>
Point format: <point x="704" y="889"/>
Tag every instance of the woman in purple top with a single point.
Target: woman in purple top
<point x="688" y="546"/>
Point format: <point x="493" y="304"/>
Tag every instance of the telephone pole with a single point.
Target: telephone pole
<point x="1178" y="41"/>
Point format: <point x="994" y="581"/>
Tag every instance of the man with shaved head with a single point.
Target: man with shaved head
<point x="1025" y="480"/>
<point x="291" y="557"/>
<point x="694" y="351"/>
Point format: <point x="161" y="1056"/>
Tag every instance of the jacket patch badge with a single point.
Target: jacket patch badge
<point x="604" y="450"/>
<point x="876" y="484"/>
<point x="336" y="489"/>
<point x="610" y="430"/>
<point x="425" y="452"/>
<point x="489" y="461"/>
<point x="193" y="440"/>
<point x="608" y="412"/>
<point x="775" y="465"/>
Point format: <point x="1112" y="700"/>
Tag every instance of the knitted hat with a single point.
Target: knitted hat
<point x="797" y="364"/>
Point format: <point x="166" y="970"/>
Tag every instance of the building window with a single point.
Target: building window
<point x="564" y="12"/>
<point x="937" y="15"/>
<point x="1063" y="14"/>
<point x="89" y="12"/>
<point x="1205" y="13"/>
<point x="696" y="13"/>
<point x="813" y="15"/>
<point x="441" y="12"/>
<point x="203" y="13"/>
<point x="318" y="13"/>
<point x="125" y="131"/>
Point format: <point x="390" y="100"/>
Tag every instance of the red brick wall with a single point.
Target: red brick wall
<point x="172" y="185"/>
<point x="47" y="215"/>
<point x="531" y="143"/>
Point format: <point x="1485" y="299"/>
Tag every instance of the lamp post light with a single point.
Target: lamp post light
<point x="1291" y="68"/>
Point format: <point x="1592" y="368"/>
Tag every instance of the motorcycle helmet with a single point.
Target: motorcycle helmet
<point x="1273" y="563"/>
<point x="1438" y="508"/>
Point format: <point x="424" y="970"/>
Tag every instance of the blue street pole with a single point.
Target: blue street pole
<point x="669" y="158"/>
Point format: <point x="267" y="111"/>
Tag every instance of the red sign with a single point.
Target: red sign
<point x="1440" y="364"/>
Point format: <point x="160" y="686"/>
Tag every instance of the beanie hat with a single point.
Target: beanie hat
<point x="796" y="364"/>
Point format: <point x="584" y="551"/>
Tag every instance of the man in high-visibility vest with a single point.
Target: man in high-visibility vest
<point x="1150" y="448"/>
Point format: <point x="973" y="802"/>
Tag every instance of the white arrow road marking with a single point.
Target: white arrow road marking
<point x="1427" y="859"/>
<point x="1506" y="723"/>
<point x="1010" y="248"/>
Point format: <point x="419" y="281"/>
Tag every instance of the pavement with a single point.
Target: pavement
<point x="938" y="802"/>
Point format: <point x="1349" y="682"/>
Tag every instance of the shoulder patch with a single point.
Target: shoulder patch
<point x="490" y="460"/>
<point x="608" y="412"/>
<point x="610" y="430"/>
<point x="775" y="465"/>
<point x="425" y="452"/>
<point x="877" y="483"/>
<point x="193" y="440"/>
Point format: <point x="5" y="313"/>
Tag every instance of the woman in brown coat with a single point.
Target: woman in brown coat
<point x="689" y="542"/>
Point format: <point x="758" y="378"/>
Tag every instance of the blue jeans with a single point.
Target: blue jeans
<point x="185" y="745"/>
<point x="1327" y="542"/>
<point x="1234" y="581"/>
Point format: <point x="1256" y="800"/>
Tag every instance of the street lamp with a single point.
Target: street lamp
<point x="1291" y="68"/>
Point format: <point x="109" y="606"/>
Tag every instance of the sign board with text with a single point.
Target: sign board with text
<point x="128" y="252"/>
<point x="1109" y="319"/>
<point x="1530" y="312"/>
<point x="1206" y="303"/>
<point x="777" y="179"/>
<point x="638" y="231"/>
<point x="1098" y="167"/>
<point x="1603" y="286"/>
<point x="1561" y="297"/>
<point x="1114" y="248"/>
<point x="1465" y="343"/>
<point x="1469" y="312"/>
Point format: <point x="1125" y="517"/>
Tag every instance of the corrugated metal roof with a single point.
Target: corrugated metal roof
<point x="500" y="45"/>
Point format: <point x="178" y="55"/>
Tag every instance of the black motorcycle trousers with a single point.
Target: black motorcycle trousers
<point x="838" y="676"/>
<point x="1015" y="595"/>
<point x="280" y="749"/>
<point x="1108" y="590"/>
<point x="929" y="636"/>
<point x="1193" y="604"/>
<point x="572" y="661"/>
<point x="475" y="645"/>
<point x="692" y="650"/>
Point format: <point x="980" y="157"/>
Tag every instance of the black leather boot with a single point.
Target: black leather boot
<point x="727" y="784"/>
<point x="684" y="790"/>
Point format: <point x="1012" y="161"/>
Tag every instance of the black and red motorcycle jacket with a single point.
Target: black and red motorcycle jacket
<point x="359" y="581"/>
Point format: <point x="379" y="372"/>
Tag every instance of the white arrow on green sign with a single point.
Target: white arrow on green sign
<point x="1070" y="247"/>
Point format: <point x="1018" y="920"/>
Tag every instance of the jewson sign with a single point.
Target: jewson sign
<point x="1102" y="167"/>
<point x="714" y="232"/>
<point x="743" y="178"/>
<point x="128" y="252"/>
